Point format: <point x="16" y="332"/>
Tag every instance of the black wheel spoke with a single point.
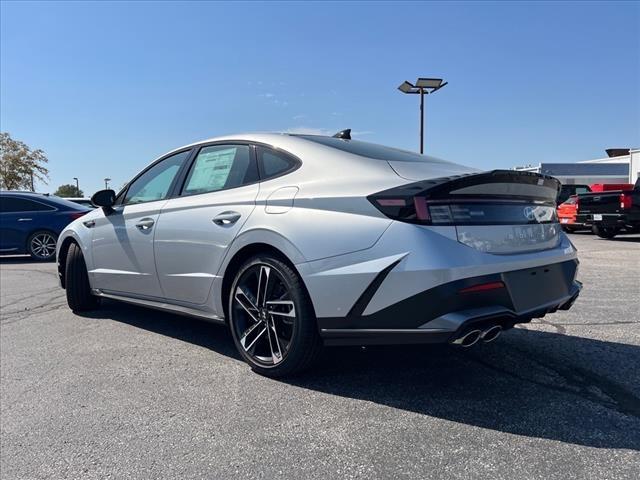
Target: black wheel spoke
<point x="244" y="301"/>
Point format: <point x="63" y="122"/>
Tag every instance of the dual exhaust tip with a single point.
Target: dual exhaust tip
<point x="471" y="337"/>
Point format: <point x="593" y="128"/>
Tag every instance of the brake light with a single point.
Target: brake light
<point x="483" y="287"/>
<point x="625" y="201"/>
<point x="76" y="215"/>
<point x="469" y="211"/>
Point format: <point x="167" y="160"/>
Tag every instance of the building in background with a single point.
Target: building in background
<point x="620" y="166"/>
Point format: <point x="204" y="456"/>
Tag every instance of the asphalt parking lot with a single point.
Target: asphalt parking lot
<point x="131" y="393"/>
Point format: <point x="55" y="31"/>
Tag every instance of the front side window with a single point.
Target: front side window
<point x="220" y="167"/>
<point x="155" y="183"/>
<point x="14" y="204"/>
<point x="274" y="163"/>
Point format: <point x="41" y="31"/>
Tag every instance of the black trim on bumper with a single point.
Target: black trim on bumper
<point x="528" y="293"/>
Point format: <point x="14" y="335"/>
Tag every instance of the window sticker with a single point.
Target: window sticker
<point x="211" y="170"/>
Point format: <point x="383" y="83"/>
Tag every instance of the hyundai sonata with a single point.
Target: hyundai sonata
<point x="299" y="241"/>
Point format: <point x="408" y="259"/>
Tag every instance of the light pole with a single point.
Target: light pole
<point x="423" y="86"/>
<point x="77" y="186"/>
<point x="106" y="183"/>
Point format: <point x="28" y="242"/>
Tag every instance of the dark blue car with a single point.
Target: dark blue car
<point x="31" y="222"/>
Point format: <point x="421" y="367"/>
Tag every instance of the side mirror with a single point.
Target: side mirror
<point x="105" y="199"/>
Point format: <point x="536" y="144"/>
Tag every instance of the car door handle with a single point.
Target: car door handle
<point x="25" y="219"/>
<point x="145" y="224"/>
<point x="226" y="218"/>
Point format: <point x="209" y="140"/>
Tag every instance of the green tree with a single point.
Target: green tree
<point x="19" y="165"/>
<point x="68" y="190"/>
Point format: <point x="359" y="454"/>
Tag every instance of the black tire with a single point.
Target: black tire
<point x="41" y="245"/>
<point x="296" y="343"/>
<point x="605" y="232"/>
<point x="79" y="296"/>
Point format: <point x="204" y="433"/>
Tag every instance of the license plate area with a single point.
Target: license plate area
<point x="533" y="287"/>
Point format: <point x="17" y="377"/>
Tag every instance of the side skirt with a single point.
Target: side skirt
<point x="165" y="307"/>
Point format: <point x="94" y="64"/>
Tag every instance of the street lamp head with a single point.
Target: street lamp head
<point x="429" y="82"/>
<point x="406" y="87"/>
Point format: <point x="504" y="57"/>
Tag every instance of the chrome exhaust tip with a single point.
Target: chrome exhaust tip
<point x="468" y="339"/>
<point x="491" y="333"/>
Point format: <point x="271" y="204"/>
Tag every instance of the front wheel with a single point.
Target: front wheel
<point x="79" y="297"/>
<point x="605" y="232"/>
<point x="272" y="319"/>
<point x="41" y="245"/>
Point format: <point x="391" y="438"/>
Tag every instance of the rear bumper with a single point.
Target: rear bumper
<point x="620" y="220"/>
<point x="438" y="314"/>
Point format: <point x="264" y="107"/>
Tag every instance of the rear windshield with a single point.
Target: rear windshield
<point x="371" y="150"/>
<point x="58" y="201"/>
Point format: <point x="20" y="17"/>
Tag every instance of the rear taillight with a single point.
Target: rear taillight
<point x="625" y="201"/>
<point x="418" y="209"/>
<point x="75" y="215"/>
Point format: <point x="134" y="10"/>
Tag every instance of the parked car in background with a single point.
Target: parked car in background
<point x="31" y="222"/>
<point x="299" y="240"/>
<point x="611" y="212"/>
<point x="85" y="202"/>
<point x="571" y="189"/>
<point x="568" y="213"/>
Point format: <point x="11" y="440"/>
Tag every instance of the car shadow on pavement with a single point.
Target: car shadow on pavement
<point x="528" y="382"/>
<point x="17" y="259"/>
<point x="634" y="239"/>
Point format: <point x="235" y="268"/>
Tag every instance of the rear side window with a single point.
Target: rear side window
<point x="274" y="163"/>
<point x="220" y="167"/>
<point x="14" y="204"/>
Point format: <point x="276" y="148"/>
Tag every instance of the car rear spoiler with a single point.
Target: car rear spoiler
<point x="511" y="185"/>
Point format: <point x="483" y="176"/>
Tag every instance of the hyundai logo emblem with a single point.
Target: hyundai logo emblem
<point x="529" y="213"/>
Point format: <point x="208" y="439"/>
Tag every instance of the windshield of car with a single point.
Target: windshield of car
<point x="372" y="150"/>
<point x="66" y="203"/>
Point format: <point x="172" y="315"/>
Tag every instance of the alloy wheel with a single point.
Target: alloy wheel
<point x="43" y="245"/>
<point x="264" y="314"/>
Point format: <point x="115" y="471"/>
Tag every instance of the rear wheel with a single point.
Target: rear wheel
<point x="271" y="318"/>
<point x="41" y="245"/>
<point x="605" y="232"/>
<point x="79" y="296"/>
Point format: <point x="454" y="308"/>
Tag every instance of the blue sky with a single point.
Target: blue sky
<point x="104" y="88"/>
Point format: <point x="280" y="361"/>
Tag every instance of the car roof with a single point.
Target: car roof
<point x="43" y="197"/>
<point x="297" y="142"/>
<point x="26" y="193"/>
